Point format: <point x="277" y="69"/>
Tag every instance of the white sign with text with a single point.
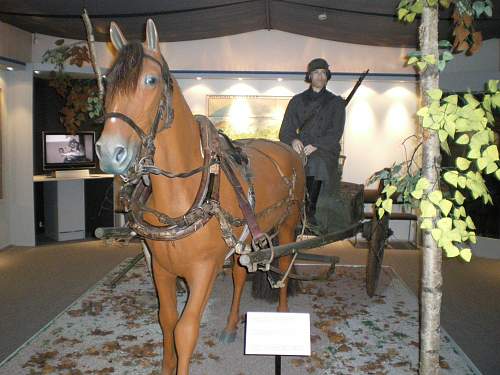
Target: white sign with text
<point x="273" y="333"/>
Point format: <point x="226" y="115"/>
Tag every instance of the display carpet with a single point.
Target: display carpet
<point x="116" y="331"/>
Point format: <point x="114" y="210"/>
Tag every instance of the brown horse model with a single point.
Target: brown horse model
<point x="146" y="111"/>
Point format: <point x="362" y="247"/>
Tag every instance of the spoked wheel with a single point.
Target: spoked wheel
<point x="379" y="233"/>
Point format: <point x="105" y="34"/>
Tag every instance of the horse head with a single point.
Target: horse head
<point x="137" y="104"/>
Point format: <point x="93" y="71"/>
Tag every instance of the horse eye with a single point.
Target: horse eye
<point x="150" y="80"/>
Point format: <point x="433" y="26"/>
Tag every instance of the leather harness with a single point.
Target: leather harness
<point x="218" y="153"/>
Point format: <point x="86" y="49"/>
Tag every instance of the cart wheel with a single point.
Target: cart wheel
<point x="379" y="232"/>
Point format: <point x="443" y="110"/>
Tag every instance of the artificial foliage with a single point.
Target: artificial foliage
<point x="461" y="119"/>
<point x="81" y="97"/>
<point x="464" y="120"/>
<point x="465" y="37"/>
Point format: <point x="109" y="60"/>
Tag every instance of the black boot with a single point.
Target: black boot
<point x="313" y="189"/>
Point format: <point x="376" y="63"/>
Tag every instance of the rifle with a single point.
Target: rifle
<point x="356" y="86"/>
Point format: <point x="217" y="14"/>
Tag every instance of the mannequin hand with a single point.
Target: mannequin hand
<point x="309" y="149"/>
<point x="298" y="146"/>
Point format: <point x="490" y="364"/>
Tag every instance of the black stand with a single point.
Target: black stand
<point x="277" y="364"/>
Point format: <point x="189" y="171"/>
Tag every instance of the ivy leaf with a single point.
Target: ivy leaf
<point x="463" y="139"/>
<point x="417" y="194"/>
<point x="435" y="197"/>
<point x="427" y="208"/>
<point x="380" y="212"/>
<point x="410" y="17"/>
<point x="452" y="99"/>
<point x="470" y="223"/>
<point x="430" y="59"/>
<point x="451" y="177"/>
<point x="423" y="112"/>
<point x="451" y="250"/>
<point x="422" y="184"/>
<point x="426" y="224"/>
<point x="497" y="174"/>
<point x="491" y="153"/>
<point x="445" y="205"/>
<point x="389" y="190"/>
<point x="493" y="85"/>
<point x="462" y="163"/>
<point x="481" y="163"/>
<point x="444" y="43"/>
<point x="466" y="254"/>
<point x="471" y="100"/>
<point x="474" y="152"/>
<point x="450" y="128"/>
<point x="436" y="234"/>
<point x="445" y="224"/>
<point x="442" y="135"/>
<point x="459" y="198"/>
<point x="378" y="202"/>
<point x="435" y="94"/>
<point x="412" y="60"/>
<point x="421" y="65"/>
<point x="491" y="167"/>
<point x="447" y="56"/>
<point x="402" y="12"/>
<point x="387" y="205"/>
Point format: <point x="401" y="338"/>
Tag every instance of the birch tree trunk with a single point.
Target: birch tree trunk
<point x="431" y="255"/>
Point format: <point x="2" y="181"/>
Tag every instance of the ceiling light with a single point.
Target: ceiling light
<point x="322" y="16"/>
<point x="10" y="68"/>
<point x="280" y="79"/>
<point x="240" y="79"/>
<point x="199" y="78"/>
<point x="36" y="71"/>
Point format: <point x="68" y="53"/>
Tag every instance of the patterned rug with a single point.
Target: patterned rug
<point x="116" y="331"/>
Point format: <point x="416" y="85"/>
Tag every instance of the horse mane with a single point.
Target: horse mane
<point x="124" y="74"/>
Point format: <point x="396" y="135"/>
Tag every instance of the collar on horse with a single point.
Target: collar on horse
<point x="137" y="188"/>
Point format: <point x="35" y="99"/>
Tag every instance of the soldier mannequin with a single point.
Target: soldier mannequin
<point x="313" y="125"/>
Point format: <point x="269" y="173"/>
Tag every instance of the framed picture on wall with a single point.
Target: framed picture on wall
<point x="247" y="116"/>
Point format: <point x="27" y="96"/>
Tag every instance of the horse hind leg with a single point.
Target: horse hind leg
<point x="167" y="293"/>
<point x="200" y="282"/>
<point x="239" y="273"/>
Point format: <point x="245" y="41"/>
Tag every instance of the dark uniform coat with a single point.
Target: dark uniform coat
<point x="316" y="119"/>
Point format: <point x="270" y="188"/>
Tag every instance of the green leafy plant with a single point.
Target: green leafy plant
<point x="466" y="121"/>
<point x="81" y="100"/>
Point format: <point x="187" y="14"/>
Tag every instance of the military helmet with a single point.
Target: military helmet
<point x="317" y="63"/>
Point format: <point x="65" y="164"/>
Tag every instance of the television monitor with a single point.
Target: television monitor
<point x="68" y="151"/>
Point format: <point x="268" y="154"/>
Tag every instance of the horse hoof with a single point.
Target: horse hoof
<point x="226" y="337"/>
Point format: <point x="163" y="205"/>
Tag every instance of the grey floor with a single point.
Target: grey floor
<point x="38" y="283"/>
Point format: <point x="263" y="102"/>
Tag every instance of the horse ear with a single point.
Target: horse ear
<point x="117" y="37"/>
<point x="151" y="35"/>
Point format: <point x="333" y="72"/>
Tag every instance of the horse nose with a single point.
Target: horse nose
<point x="119" y="155"/>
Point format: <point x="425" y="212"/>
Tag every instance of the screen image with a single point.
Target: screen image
<point x="70" y="149"/>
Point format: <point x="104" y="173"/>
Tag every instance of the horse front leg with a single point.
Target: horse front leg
<point x="200" y="281"/>
<point x="286" y="235"/>
<point x="228" y="335"/>
<point x="167" y="294"/>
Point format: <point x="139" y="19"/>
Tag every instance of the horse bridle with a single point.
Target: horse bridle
<point x="146" y="153"/>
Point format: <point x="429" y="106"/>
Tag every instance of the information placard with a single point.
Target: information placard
<point x="273" y="333"/>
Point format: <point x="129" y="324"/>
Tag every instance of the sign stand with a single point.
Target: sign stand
<point x="277" y="365"/>
<point x="278" y="334"/>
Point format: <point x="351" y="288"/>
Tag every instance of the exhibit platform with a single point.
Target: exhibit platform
<point x="116" y="331"/>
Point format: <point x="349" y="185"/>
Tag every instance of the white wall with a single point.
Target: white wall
<point x="379" y="118"/>
<point x="19" y="163"/>
<point x="4" y="206"/>
<point x="15" y="43"/>
<point x="260" y="51"/>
